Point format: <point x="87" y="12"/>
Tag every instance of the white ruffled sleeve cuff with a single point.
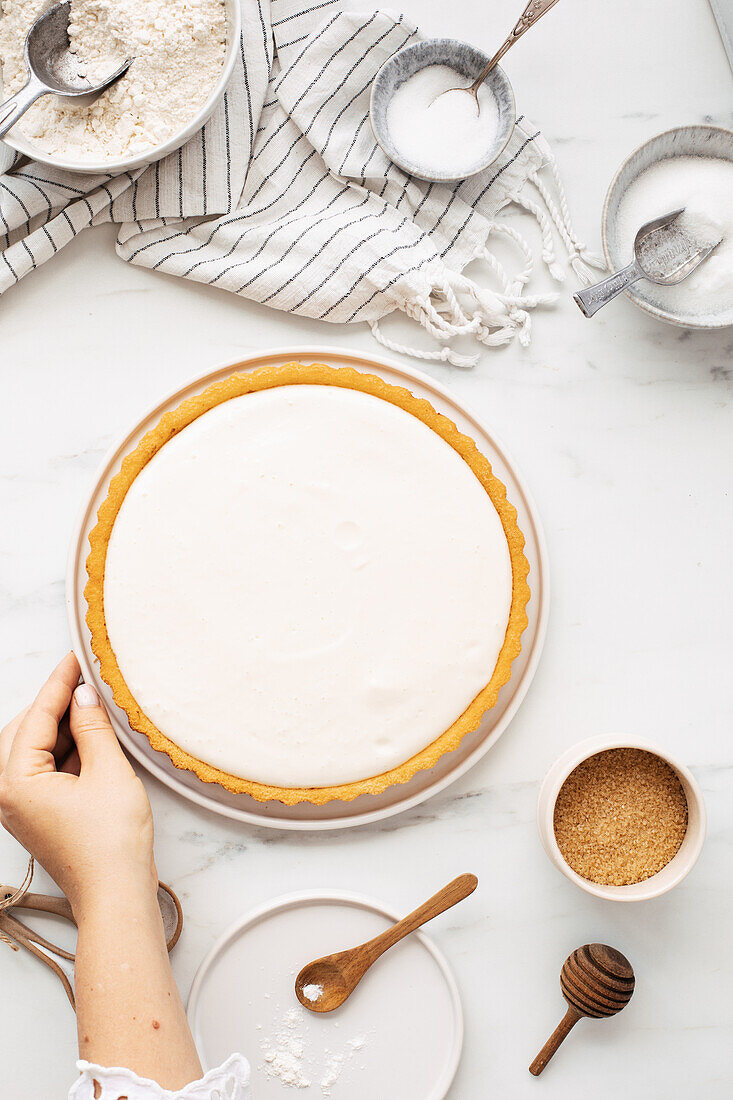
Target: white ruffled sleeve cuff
<point x="229" y="1081"/>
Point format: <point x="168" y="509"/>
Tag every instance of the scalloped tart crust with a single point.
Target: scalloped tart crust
<point x="307" y="576"/>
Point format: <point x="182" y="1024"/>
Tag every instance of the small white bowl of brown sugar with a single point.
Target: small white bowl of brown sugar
<point x="621" y="819"/>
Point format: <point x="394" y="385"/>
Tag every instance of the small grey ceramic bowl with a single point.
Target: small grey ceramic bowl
<point x="686" y="141"/>
<point x="467" y="62"/>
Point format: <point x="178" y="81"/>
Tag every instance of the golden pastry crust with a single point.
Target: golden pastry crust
<point x="266" y="378"/>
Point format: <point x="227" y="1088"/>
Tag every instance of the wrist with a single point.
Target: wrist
<point x="124" y="891"/>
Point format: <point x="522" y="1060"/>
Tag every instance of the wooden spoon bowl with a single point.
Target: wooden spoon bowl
<point x="596" y="981"/>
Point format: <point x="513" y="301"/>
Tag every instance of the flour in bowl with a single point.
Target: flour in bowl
<point x="178" y="47"/>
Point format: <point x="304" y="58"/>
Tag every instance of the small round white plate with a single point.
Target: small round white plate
<point x="367" y="808"/>
<point x="400" y="1034"/>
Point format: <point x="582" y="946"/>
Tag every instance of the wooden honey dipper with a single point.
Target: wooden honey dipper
<point x="596" y="981"/>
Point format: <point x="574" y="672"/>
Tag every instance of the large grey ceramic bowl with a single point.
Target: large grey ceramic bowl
<point x="686" y="141"/>
<point x="467" y="62"/>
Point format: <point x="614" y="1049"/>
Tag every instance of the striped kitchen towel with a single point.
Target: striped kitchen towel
<point x="285" y="197"/>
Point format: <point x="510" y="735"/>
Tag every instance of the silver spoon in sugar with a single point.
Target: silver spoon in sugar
<point x="465" y="61"/>
<point x="483" y="74"/>
<point x="532" y="14"/>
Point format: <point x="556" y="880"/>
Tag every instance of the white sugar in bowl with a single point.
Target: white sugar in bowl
<point x="441" y="139"/>
<point x="689" y="167"/>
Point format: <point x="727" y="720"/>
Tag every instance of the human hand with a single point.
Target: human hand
<point x="69" y="795"/>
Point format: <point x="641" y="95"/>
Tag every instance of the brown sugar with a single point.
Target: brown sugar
<point x="620" y="816"/>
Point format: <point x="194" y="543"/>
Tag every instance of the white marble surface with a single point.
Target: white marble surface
<point x="623" y="429"/>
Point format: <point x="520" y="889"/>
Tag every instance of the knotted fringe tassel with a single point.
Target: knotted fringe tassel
<point x="494" y="318"/>
<point x="14" y="898"/>
<point x="581" y="258"/>
<point x="548" y="244"/>
<point x="445" y="355"/>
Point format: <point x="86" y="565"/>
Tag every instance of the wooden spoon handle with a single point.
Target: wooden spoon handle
<point x="560" y="1033"/>
<point x="449" y="896"/>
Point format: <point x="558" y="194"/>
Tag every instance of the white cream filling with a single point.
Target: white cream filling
<point x="306" y="586"/>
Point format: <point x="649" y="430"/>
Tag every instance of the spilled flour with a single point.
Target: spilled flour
<point x="336" y="1062"/>
<point x="285" y="1056"/>
<point x="178" y="47"/>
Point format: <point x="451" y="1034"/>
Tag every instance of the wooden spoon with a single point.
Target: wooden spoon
<point x="597" y="981"/>
<point x="325" y="984"/>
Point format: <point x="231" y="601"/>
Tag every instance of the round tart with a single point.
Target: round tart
<point x="306" y="584"/>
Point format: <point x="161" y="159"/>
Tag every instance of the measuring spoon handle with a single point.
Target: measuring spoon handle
<point x="595" y="297"/>
<point x="532" y="14"/>
<point x="13" y="109"/>
<point x="446" y="898"/>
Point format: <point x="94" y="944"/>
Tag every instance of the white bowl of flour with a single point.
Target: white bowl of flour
<point x="184" y="52"/>
<point x="690" y="167"/>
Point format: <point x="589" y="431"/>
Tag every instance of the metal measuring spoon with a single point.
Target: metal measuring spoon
<point x="52" y="67"/>
<point x="532" y="14"/>
<point x="664" y="253"/>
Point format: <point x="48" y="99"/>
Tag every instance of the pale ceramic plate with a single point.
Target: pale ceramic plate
<point x="400" y="1033"/>
<point x="367" y="808"/>
<point x="696" y="141"/>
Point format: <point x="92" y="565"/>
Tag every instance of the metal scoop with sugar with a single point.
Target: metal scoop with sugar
<point x="666" y="251"/>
